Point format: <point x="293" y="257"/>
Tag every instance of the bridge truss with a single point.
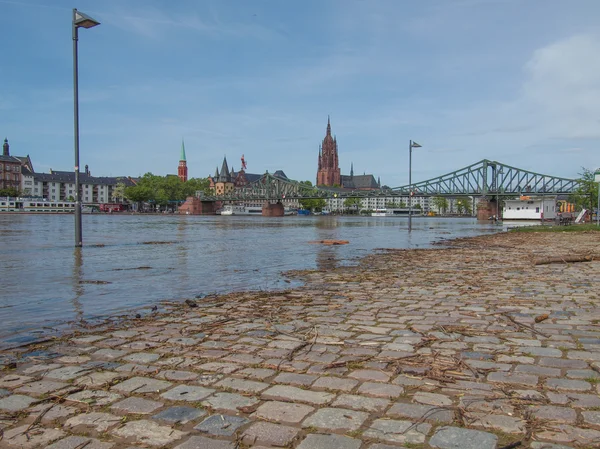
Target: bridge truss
<point x="491" y="177"/>
<point x="483" y="178"/>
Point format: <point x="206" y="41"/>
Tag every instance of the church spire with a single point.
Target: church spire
<point x="182" y="157"/>
<point x="351" y="169"/>
<point x="328" y="126"/>
<point x="182" y="170"/>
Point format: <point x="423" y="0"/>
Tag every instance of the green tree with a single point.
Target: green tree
<point x="194" y="185"/>
<point x="9" y="191"/>
<point x="440" y="203"/>
<point x="353" y="204"/>
<point x="313" y="204"/>
<point x="417" y="206"/>
<point x="463" y="206"/>
<point x="586" y="195"/>
<point x="118" y="192"/>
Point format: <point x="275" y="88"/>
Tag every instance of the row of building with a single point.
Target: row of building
<point x="17" y="172"/>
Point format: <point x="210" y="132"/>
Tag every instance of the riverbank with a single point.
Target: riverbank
<point x="469" y="345"/>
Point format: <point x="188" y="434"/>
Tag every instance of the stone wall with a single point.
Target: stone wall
<point x="272" y="210"/>
<point x="194" y="206"/>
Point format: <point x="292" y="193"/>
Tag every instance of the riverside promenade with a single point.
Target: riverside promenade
<point x="468" y="346"/>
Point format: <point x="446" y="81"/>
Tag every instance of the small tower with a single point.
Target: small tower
<point x="182" y="169"/>
<point x="5" y="148"/>
<point x="223" y="181"/>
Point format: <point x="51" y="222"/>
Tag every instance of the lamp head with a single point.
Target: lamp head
<point x="84" y="21"/>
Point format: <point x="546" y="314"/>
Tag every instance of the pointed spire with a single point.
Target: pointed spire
<point x="216" y="174"/>
<point x="328" y="127"/>
<point x="182" y="157"/>
<point x="225" y="176"/>
<point x="351" y="169"/>
<point x="378" y="182"/>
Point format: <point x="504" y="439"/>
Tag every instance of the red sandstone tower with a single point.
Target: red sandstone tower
<point x="182" y="169"/>
<point x="328" y="173"/>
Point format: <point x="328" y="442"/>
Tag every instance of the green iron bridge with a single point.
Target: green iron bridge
<point x="484" y="178"/>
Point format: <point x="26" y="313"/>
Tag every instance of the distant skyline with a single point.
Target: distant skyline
<point x="508" y="80"/>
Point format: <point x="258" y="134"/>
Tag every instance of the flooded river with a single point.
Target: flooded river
<point x="133" y="261"/>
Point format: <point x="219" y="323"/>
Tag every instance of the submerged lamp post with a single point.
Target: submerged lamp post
<point x="597" y="179"/>
<point x="411" y="145"/>
<point x="80" y="20"/>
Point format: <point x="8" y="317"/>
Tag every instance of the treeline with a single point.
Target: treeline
<point x="161" y="190"/>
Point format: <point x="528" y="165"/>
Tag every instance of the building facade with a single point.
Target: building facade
<point x="10" y="169"/>
<point x="380" y="202"/>
<point x="60" y="186"/>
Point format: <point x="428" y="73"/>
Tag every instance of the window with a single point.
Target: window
<point x="537" y="210"/>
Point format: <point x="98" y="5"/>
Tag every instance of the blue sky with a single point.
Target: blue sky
<point x="510" y="80"/>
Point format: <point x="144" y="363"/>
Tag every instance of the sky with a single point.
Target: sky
<point x="507" y="80"/>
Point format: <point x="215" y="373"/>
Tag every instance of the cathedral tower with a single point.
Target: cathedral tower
<point x="182" y="169"/>
<point x="328" y="173"/>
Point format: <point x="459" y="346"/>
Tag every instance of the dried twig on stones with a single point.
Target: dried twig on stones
<point x="526" y="326"/>
<point x="563" y="259"/>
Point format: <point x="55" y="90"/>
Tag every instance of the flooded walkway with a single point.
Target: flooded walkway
<point x="473" y="345"/>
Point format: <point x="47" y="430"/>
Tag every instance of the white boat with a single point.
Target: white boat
<point x="394" y="212"/>
<point x="41" y="205"/>
<point x="35" y="205"/>
<point x="232" y="209"/>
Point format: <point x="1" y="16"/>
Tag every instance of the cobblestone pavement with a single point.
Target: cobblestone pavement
<point x="470" y="346"/>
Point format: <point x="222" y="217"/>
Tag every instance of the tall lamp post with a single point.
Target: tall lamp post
<point x="411" y="145"/>
<point x="498" y="173"/>
<point x="597" y="179"/>
<point x="80" y="20"/>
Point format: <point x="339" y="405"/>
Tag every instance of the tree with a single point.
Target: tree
<point x="313" y="204"/>
<point x="440" y="203"/>
<point x="119" y="192"/>
<point x="463" y="206"/>
<point x="417" y="206"/>
<point x="194" y="185"/>
<point x="9" y="191"/>
<point x="586" y="195"/>
<point x="352" y="203"/>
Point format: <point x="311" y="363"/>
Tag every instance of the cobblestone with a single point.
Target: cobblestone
<point x="396" y="349"/>
<point x="398" y="431"/>
<point x="269" y="434"/>
<point x="149" y="433"/>
<point x="458" y="438"/>
<point x="335" y="419"/>
<point x="284" y="412"/>
<point x="15" y="402"/>
<point x="179" y="414"/>
<point x="329" y="442"/>
<point x="223" y="425"/>
<point x="136" y="405"/>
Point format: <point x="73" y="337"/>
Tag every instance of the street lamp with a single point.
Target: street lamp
<point x="80" y="20"/>
<point x="411" y="145"/>
<point x="597" y="179"/>
<point x="498" y="173"/>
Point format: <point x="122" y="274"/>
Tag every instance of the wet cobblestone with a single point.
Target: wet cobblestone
<point x="415" y="348"/>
